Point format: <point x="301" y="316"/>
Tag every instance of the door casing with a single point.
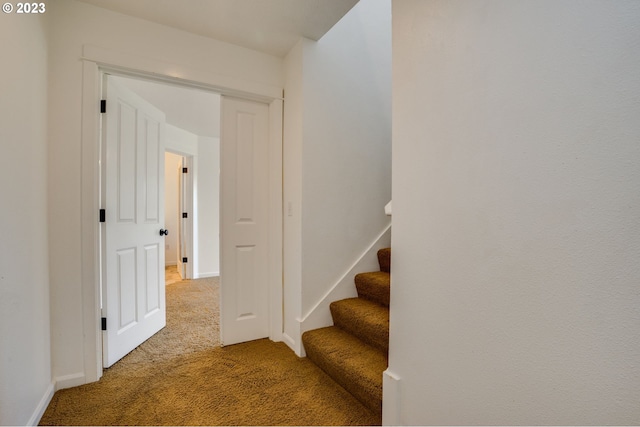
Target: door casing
<point x="185" y="226"/>
<point x="97" y="61"/>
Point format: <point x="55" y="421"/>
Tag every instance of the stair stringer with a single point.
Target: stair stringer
<point x="320" y="315"/>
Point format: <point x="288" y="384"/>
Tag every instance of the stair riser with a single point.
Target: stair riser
<point x="384" y="259"/>
<point x="374" y="333"/>
<point x="374" y="286"/>
<point x="337" y="374"/>
<point x="366" y="387"/>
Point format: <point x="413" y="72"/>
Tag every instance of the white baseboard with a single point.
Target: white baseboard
<point x="391" y="414"/>
<point x="42" y="405"/>
<point x="170" y="264"/>
<point x="205" y="275"/>
<point x="68" y="381"/>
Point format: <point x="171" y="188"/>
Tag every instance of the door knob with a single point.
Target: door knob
<point x="164" y="232"/>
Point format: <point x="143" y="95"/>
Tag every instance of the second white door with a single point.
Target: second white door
<point x="244" y="269"/>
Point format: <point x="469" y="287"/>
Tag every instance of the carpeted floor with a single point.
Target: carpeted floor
<point x="181" y="376"/>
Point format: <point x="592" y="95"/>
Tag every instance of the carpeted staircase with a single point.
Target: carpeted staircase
<point x="354" y="352"/>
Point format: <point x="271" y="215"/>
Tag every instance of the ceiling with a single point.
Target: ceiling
<point x="269" y="26"/>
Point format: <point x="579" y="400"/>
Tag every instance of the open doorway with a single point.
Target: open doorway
<point x="250" y="196"/>
<point x="177" y="190"/>
<point x="192" y="177"/>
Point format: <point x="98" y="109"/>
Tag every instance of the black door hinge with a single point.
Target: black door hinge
<point x="104" y="323"/>
<point x="103" y="105"/>
<point x="184" y="259"/>
<point x="185" y="215"/>
<point x="103" y="215"/>
<point x="185" y="170"/>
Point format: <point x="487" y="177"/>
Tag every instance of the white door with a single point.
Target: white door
<point x="133" y="257"/>
<point x="244" y="269"/>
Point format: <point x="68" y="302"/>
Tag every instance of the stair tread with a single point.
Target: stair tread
<point x="374" y="286"/>
<point x="367" y="320"/>
<point x="353" y="364"/>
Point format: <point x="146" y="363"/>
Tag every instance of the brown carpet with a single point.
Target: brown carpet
<point x="182" y="377"/>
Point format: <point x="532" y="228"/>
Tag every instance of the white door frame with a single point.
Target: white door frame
<point x="188" y="235"/>
<point x="98" y="60"/>
<point x="185" y="232"/>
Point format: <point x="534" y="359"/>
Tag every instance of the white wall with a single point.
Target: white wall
<point x="346" y="154"/>
<point x="195" y="110"/>
<point x="172" y="163"/>
<point x="74" y="25"/>
<point x="180" y="141"/>
<point x="338" y="134"/>
<point x="516" y="177"/>
<point x="207" y="192"/>
<point x="25" y="356"/>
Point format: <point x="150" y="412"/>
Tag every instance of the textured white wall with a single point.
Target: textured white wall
<point x="77" y="24"/>
<point x="346" y="152"/>
<point x="337" y="162"/>
<point x="25" y="355"/>
<point x="516" y="177"/>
